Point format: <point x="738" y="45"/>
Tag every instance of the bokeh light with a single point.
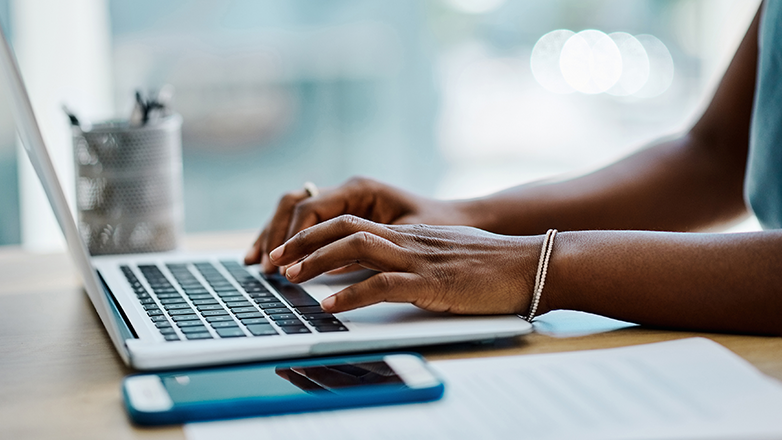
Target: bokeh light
<point x="544" y="61"/>
<point x="592" y="62"/>
<point x="660" y="67"/>
<point x="635" y="65"/>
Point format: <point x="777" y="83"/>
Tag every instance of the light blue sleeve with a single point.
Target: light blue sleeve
<point x="763" y="184"/>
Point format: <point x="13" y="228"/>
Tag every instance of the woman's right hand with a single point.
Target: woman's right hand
<point x="359" y="196"/>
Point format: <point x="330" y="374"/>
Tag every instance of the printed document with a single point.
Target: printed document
<point x="691" y="388"/>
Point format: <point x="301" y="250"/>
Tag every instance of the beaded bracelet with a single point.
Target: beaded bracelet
<point x="540" y="276"/>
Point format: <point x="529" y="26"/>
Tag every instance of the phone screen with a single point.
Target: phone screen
<point x="237" y="383"/>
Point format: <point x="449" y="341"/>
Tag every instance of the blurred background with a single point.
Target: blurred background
<point x="447" y="98"/>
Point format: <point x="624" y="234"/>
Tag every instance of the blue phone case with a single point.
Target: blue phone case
<point x="369" y="395"/>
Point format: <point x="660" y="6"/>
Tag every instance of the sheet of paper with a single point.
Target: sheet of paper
<point x="571" y="323"/>
<point x="691" y="388"/>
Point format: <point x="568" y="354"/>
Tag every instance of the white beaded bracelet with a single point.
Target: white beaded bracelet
<point x="540" y="276"/>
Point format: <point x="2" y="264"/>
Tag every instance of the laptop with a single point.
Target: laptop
<point x="179" y="309"/>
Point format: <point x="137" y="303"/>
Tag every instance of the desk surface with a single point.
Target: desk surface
<point x="60" y="376"/>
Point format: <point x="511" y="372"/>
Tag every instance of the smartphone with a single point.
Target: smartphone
<point x="280" y="387"/>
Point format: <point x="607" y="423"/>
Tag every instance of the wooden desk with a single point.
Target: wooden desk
<point x="60" y="376"/>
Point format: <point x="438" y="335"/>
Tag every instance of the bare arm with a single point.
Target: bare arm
<point x="687" y="184"/>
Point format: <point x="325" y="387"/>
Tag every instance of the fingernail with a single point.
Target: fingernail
<point x="328" y="303"/>
<point x="277" y="253"/>
<point x="293" y="270"/>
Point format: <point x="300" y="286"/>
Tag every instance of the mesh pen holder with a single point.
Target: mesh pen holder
<point x="129" y="186"/>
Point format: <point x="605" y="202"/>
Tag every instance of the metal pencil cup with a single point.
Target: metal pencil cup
<point x="129" y="186"/>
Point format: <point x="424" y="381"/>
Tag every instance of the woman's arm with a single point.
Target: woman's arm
<point x="687" y="184"/>
<point x="714" y="282"/>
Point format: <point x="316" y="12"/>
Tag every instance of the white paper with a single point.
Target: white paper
<point x="691" y="388"/>
<point x="572" y="323"/>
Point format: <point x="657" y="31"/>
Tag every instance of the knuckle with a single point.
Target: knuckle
<point x="302" y="209"/>
<point x="383" y="282"/>
<point x="362" y="240"/>
<point x="288" y="200"/>
<point x="349" y="222"/>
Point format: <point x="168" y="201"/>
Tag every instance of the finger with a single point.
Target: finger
<point x="383" y="287"/>
<point x="330" y="203"/>
<point x="347" y="269"/>
<point x="278" y="226"/>
<point x="311" y="239"/>
<point x="363" y="248"/>
<point x="253" y="255"/>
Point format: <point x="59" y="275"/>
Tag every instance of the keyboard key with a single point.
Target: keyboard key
<point x="258" y="295"/>
<point x="171" y="337"/>
<point x="191" y="323"/>
<point x="154" y="312"/>
<point x="233" y="304"/>
<point x="167" y="331"/>
<point x="175" y="300"/>
<point x="148" y="300"/>
<point x="251" y="321"/>
<point x="203" y="302"/>
<point x="309" y="309"/>
<point x="195" y="290"/>
<point x="180" y="306"/>
<point x="283" y="316"/>
<point x="230" y="293"/>
<point x="277" y="311"/>
<point x="159" y="318"/>
<point x="209" y="307"/>
<point x="162" y="324"/>
<point x="224" y="318"/>
<point x="289" y="322"/>
<point x="238" y="310"/>
<point x="291" y="293"/>
<point x="316" y="316"/>
<point x="169" y="295"/>
<point x="319" y="322"/>
<point x="271" y="305"/>
<point x="330" y="328"/>
<point x="230" y="332"/>
<point x="188" y="317"/>
<point x="200" y="296"/>
<point x="214" y="312"/>
<point x="261" y="330"/>
<point x="193" y="329"/>
<point x="249" y="315"/>
<point x="295" y="329"/>
<point x="151" y="306"/>
<point x="224" y="324"/>
<point x="202" y="335"/>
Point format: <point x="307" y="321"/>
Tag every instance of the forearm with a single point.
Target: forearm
<point x="677" y="185"/>
<point x="717" y="282"/>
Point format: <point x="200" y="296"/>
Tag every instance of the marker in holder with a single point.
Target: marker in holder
<point x="129" y="185"/>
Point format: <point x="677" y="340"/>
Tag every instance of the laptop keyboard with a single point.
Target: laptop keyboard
<point x="183" y="306"/>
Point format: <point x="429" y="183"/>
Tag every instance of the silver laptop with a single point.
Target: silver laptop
<point x="168" y="310"/>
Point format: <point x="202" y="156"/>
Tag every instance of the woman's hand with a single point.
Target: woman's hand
<point x="361" y="197"/>
<point x="439" y="268"/>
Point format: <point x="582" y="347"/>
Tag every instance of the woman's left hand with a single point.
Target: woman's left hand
<point x="453" y="269"/>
